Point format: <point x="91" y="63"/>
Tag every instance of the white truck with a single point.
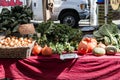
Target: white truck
<point x="69" y="12"/>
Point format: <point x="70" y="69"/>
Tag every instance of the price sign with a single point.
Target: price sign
<point x="68" y="56"/>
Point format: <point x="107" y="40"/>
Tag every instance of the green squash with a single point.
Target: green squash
<point x="111" y="50"/>
<point x="99" y="51"/>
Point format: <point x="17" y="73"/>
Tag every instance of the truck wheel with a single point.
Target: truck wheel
<point x="70" y="19"/>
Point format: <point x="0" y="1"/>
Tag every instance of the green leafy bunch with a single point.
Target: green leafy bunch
<point x="11" y="18"/>
<point x="55" y="32"/>
<point x="109" y="34"/>
<point x="58" y="36"/>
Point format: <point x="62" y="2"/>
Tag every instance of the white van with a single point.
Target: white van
<point x="69" y="12"/>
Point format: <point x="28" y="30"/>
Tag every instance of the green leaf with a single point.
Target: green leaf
<point x="5" y="11"/>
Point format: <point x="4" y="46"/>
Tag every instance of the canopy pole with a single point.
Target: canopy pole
<point x="106" y="3"/>
<point x="44" y="10"/>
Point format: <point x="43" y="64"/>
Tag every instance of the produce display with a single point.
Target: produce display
<point x="109" y="34"/>
<point x="58" y="37"/>
<point x="15" y="42"/>
<point x="16" y="47"/>
<point x="55" y="38"/>
<point x="61" y="38"/>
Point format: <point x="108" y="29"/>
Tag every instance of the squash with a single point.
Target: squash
<point x="99" y="51"/>
<point x="86" y="45"/>
<point x="100" y="44"/>
<point x="36" y="49"/>
<point x="111" y="50"/>
<point x="46" y="51"/>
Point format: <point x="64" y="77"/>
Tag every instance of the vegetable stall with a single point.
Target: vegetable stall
<point x="53" y="51"/>
<point x="59" y="38"/>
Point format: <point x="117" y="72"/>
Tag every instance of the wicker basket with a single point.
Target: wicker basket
<point x="16" y="52"/>
<point x="26" y="29"/>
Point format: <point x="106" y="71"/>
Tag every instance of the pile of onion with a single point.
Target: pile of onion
<point x="15" y="42"/>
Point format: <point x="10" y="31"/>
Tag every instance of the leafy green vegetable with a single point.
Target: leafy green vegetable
<point x="56" y="32"/>
<point x="56" y="47"/>
<point x="109" y="34"/>
<point x="11" y="19"/>
<point x="58" y="36"/>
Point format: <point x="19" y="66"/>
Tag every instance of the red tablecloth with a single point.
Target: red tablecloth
<point x="86" y="67"/>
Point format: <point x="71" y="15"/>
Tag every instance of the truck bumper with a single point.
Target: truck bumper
<point x="84" y="14"/>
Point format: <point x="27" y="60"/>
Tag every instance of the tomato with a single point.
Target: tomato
<point x="36" y="49"/>
<point x="46" y="51"/>
<point x="86" y="45"/>
<point x="82" y="47"/>
<point x="91" y="46"/>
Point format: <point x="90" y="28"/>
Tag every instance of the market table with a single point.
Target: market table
<point x="87" y="67"/>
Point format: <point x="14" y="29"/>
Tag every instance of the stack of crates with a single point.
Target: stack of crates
<point x="101" y="14"/>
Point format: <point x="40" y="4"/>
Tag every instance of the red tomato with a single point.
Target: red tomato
<point x="86" y="45"/>
<point x="36" y="49"/>
<point x="91" y="46"/>
<point x="82" y="47"/>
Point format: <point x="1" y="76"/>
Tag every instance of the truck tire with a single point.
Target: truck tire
<point x="70" y="19"/>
